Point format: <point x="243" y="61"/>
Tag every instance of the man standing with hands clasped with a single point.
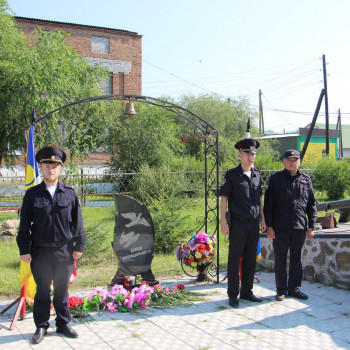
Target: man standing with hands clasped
<point x="288" y="199"/>
<point x="50" y="238"/>
<point x="241" y="191"/>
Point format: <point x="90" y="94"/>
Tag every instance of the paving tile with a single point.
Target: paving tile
<point x="282" y="340"/>
<point x="316" y="338"/>
<point x="321" y="322"/>
<point x="164" y="340"/>
<point x="342" y="334"/>
<point x="331" y="324"/>
<point x="252" y="343"/>
<point x="99" y="346"/>
<point x="235" y="318"/>
<point x="109" y="330"/>
<point x="130" y="343"/>
<point x="18" y="344"/>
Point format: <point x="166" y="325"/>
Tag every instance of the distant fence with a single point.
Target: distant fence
<point x="89" y="186"/>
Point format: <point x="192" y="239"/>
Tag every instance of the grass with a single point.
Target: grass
<point x="99" y="263"/>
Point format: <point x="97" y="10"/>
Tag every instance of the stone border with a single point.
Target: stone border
<point x="326" y="258"/>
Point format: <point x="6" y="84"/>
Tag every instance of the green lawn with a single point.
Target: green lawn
<point x="99" y="263"/>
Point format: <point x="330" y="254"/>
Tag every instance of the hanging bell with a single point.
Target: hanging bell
<point x="129" y="109"/>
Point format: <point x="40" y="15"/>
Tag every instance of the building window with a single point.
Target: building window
<point x="107" y="85"/>
<point x="100" y="44"/>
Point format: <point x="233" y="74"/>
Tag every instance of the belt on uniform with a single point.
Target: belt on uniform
<point x="50" y="244"/>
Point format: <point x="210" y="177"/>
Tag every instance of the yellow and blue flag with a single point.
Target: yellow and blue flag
<point x="32" y="178"/>
<point x="32" y="169"/>
<point x="258" y="251"/>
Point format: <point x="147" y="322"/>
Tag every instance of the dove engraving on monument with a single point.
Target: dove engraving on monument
<point x="133" y="239"/>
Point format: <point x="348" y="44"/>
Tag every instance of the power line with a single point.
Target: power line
<point x="174" y="75"/>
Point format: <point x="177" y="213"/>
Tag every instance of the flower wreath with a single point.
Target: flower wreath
<point x="197" y="251"/>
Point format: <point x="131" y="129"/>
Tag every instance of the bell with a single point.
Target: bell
<point x="129" y="109"/>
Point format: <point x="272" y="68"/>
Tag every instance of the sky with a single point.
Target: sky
<point x="232" y="48"/>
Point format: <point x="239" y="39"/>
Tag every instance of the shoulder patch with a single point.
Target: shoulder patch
<point x="68" y="186"/>
<point x="223" y="182"/>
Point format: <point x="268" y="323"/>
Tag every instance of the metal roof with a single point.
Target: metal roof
<point x="345" y="132"/>
<point x="74" y="24"/>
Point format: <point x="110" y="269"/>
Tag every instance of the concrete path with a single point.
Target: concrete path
<point x="322" y="322"/>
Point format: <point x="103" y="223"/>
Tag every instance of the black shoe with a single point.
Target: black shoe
<point x="251" y="297"/>
<point x="298" y="294"/>
<point x="233" y="302"/>
<point x="38" y="336"/>
<point x="280" y="296"/>
<point x="68" y="331"/>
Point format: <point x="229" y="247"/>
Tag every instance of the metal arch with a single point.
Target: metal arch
<point x="211" y="150"/>
<point x="204" y="126"/>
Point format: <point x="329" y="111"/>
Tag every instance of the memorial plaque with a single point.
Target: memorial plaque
<point x="133" y="239"/>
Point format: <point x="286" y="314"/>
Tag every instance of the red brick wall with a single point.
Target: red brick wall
<point x="124" y="46"/>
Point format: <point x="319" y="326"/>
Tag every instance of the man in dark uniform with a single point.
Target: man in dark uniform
<point x="288" y="199"/>
<point x="241" y="190"/>
<point x="50" y="238"/>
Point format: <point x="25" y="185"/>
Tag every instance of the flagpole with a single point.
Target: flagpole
<point x="27" y="282"/>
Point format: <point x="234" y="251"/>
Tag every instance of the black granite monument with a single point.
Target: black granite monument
<point x="133" y="239"/>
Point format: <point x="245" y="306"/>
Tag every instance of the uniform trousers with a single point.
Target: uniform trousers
<point x="244" y="236"/>
<point x="292" y="240"/>
<point x="52" y="265"/>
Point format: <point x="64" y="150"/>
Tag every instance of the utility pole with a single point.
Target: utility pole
<point x="326" y="103"/>
<point x="340" y="153"/>
<point x="311" y="128"/>
<point x="261" y="116"/>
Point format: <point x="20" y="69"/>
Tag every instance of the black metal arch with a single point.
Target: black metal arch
<point x="211" y="149"/>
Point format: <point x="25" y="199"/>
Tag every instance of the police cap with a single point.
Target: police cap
<point x="292" y="153"/>
<point x="248" y="145"/>
<point x="51" y="154"/>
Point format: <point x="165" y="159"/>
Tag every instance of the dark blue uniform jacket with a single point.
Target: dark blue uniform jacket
<point x="288" y="199"/>
<point x="45" y="219"/>
<point x="243" y="193"/>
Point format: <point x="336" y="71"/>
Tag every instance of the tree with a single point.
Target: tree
<point x="43" y="71"/>
<point x="229" y="117"/>
<point x="332" y="177"/>
<point x="151" y="137"/>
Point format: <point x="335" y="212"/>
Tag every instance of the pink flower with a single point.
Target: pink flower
<point x="111" y="307"/>
<point x="129" y="303"/>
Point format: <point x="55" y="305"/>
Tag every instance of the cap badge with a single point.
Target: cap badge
<point x="251" y="147"/>
<point x="292" y="152"/>
<point x="52" y="157"/>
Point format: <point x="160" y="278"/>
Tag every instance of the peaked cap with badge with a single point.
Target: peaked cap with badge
<point x="248" y="145"/>
<point x="291" y="153"/>
<point x="51" y="155"/>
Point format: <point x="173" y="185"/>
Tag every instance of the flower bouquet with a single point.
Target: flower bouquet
<point x="118" y="298"/>
<point x="76" y="307"/>
<point x="121" y="299"/>
<point x="198" y="252"/>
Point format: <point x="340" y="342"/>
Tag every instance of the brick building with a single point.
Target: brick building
<point x="118" y="50"/>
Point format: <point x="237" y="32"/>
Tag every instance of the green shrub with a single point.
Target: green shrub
<point x="169" y="223"/>
<point x="267" y="162"/>
<point x="158" y="183"/>
<point x="164" y="193"/>
<point x="97" y="241"/>
<point x="332" y="177"/>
